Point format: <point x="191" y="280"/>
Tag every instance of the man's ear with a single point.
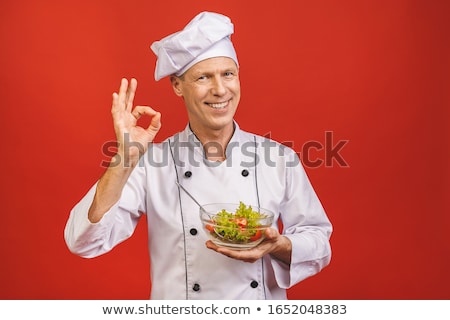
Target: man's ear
<point x="176" y="85"/>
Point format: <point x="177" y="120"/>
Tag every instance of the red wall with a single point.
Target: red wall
<point x="374" y="73"/>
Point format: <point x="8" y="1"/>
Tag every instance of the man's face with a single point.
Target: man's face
<point x="211" y="92"/>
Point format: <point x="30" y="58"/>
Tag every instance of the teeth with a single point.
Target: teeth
<point x="218" y="105"/>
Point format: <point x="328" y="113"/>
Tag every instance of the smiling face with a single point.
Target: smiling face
<point x="211" y="92"/>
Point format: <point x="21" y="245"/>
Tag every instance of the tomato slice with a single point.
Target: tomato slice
<point x="209" y="227"/>
<point x="241" y="222"/>
<point x="256" y="236"/>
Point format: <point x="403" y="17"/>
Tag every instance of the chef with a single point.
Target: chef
<point x="216" y="161"/>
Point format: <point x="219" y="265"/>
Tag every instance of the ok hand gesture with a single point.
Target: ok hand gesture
<point x="132" y="139"/>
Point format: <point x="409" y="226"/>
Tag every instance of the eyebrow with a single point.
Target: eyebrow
<point x="198" y="73"/>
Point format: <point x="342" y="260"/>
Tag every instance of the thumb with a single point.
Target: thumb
<point x="155" y="124"/>
<point x="272" y="233"/>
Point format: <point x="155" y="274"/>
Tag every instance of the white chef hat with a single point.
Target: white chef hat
<point x="208" y="35"/>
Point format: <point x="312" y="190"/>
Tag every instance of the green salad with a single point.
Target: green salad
<point x="242" y="226"/>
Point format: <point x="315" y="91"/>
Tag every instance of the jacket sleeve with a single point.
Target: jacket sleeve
<point x="306" y="224"/>
<point x="88" y="239"/>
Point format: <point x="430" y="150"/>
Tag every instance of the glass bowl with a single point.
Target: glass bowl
<point x="235" y="225"/>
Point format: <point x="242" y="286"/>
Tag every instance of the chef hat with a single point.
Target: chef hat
<point x="208" y="35"/>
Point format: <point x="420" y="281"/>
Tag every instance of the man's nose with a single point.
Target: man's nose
<point x="218" y="87"/>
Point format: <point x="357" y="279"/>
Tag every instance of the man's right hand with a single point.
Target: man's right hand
<point x="132" y="143"/>
<point x="132" y="139"/>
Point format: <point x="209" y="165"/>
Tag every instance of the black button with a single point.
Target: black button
<point x="188" y="174"/>
<point x="254" y="284"/>
<point x="245" y="172"/>
<point x="193" y="231"/>
<point x="196" y="287"/>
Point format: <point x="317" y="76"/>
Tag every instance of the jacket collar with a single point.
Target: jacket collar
<point x="192" y="142"/>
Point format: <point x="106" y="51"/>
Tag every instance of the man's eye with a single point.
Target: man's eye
<point x="228" y="74"/>
<point x="201" y="78"/>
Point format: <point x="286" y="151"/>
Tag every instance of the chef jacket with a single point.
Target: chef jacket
<point x="257" y="171"/>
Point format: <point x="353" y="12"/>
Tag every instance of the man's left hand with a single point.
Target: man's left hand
<point x="275" y="244"/>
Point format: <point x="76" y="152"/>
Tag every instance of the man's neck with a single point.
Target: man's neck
<point x="214" y="141"/>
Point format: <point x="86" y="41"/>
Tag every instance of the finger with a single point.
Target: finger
<point x="130" y="94"/>
<point x="123" y="92"/>
<point x="250" y="255"/>
<point x="243" y="255"/>
<point x="210" y="245"/>
<point x="139" y="111"/>
<point x="115" y="102"/>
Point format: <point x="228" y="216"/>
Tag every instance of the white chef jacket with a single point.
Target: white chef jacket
<point x="257" y="171"/>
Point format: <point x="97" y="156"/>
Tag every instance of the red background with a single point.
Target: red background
<point x="375" y="73"/>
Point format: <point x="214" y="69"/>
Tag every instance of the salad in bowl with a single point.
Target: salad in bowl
<point x="236" y="226"/>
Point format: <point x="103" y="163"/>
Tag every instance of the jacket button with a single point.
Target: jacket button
<point x="254" y="284"/>
<point x="196" y="287"/>
<point x="188" y="174"/>
<point x="245" y="172"/>
<point x="193" y="231"/>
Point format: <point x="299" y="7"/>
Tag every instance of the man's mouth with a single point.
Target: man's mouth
<point x="219" y="105"/>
